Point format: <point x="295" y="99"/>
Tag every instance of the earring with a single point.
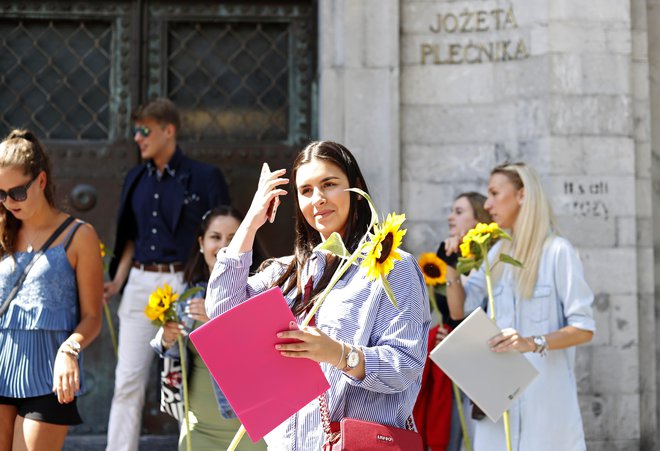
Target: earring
<point x="201" y="251"/>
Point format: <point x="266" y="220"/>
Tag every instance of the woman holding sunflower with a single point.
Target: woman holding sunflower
<point x="543" y="309"/>
<point x="436" y="412"/>
<point x="371" y="351"/>
<point x="212" y="421"/>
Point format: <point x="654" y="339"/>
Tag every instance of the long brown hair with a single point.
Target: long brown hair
<point x="307" y="237"/>
<point x="22" y="150"/>
<point x="477" y="202"/>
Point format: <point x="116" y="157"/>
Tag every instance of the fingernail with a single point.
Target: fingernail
<point x="280" y="335"/>
<point x="278" y="347"/>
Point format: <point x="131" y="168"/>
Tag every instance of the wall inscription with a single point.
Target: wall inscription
<point x="588" y="199"/>
<point x="453" y="48"/>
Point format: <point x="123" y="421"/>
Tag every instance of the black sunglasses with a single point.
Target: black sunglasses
<point x="18" y="193"/>
<point x="144" y="131"/>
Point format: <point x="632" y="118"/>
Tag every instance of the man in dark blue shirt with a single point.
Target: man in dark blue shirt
<point x="162" y="203"/>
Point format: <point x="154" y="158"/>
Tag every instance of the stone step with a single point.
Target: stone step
<point x="98" y="442"/>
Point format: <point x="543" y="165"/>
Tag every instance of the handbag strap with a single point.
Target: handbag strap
<point x="325" y="419"/>
<point x="21" y="279"/>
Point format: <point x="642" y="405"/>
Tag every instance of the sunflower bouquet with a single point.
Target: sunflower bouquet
<point x="105" y="256"/>
<point x="160" y="309"/>
<point x="378" y="251"/>
<point x="474" y="252"/>
<point x="435" y="277"/>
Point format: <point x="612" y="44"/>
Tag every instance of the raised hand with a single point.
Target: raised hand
<point x="266" y="199"/>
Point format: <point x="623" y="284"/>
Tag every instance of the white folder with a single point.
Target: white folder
<point x="492" y="380"/>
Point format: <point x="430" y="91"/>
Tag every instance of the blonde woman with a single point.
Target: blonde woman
<point x="544" y="311"/>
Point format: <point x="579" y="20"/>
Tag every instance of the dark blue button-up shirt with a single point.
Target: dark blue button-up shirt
<point x="155" y="242"/>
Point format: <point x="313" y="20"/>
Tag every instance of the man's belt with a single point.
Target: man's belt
<point x="159" y="267"/>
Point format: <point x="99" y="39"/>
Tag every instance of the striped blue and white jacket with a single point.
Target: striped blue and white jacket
<point x="358" y="312"/>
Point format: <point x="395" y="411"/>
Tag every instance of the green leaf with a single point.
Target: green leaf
<point x="441" y="289"/>
<point x="388" y="290"/>
<point x="505" y="235"/>
<point x="465" y="265"/>
<point x="504" y="258"/>
<point x="189" y="293"/>
<point x="335" y="245"/>
<point x="374" y="213"/>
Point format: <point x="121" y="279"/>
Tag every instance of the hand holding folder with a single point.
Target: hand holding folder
<point x="492" y="380"/>
<point x="262" y="387"/>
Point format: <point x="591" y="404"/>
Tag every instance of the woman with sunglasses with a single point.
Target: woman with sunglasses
<point x="56" y="309"/>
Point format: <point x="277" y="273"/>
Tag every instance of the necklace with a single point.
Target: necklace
<point x="29" y="247"/>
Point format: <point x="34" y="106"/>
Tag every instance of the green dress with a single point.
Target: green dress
<point x="209" y="431"/>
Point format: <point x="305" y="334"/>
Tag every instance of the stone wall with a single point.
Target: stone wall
<point x="562" y="85"/>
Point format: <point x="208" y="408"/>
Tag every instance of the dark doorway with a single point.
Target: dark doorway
<point x="242" y="74"/>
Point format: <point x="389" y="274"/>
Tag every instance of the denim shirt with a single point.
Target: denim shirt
<point x="546" y="416"/>
<point x="173" y="352"/>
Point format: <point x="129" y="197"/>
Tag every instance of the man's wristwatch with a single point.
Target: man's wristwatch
<point x="541" y="344"/>
<point x="352" y="359"/>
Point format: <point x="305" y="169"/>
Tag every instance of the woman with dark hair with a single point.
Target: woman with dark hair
<point x="50" y="300"/>
<point x="436" y="410"/>
<point x="212" y="421"/>
<point x="371" y="352"/>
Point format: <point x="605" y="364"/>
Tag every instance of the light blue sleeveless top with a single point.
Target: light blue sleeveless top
<point x="41" y="317"/>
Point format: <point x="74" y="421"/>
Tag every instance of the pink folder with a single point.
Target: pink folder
<point x="238" y="347"/>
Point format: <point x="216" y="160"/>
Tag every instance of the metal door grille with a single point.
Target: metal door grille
<point x="230" y="80"/>
<point x="56" y="77"/>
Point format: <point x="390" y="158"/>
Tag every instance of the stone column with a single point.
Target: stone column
<point x="359" y="88"/>
<point x="563" y="86"/>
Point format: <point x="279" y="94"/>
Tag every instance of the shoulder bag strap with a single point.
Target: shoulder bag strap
<point x="19" y="282"/>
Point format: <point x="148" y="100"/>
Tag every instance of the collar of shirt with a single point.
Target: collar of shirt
<point x="171" y="166"/>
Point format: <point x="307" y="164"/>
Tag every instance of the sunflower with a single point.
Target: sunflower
<point x="466" y="248"/>
<point x="160" y="303"/>
<point x="381" y="249"/>
<point x="434" y="269"/>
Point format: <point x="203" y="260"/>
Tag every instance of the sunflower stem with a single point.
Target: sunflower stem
<point x="491" y="307"/>
<point x="111" y="328"/>
<point x="237" y="438"/>
<point x="461" y="417"/>
<point x="344" y="265"/>
<point x="185" y="392"/>
<point x="434" y="304"/>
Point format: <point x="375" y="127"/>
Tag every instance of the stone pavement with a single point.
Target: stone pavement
<point x="97" y="443"/>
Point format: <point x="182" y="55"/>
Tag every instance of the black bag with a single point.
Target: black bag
<point x="171" y="388"/>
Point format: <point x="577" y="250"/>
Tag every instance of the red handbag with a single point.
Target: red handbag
<point x="359" y="435"/>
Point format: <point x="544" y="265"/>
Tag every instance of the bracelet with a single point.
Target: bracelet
<point x="167" y="344"/>
<point x="452" y="282"/>
<point x="70" y="352"/>
<point x="341" y="359"/>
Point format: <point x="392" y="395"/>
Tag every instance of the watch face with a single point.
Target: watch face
<point x="353" y="359"/>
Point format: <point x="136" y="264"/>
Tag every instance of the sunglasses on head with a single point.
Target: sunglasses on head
<point x="144" y="131"/>
<point x="18" y="193"/>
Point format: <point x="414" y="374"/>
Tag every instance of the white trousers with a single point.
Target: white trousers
<point x="135" y="357"/>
